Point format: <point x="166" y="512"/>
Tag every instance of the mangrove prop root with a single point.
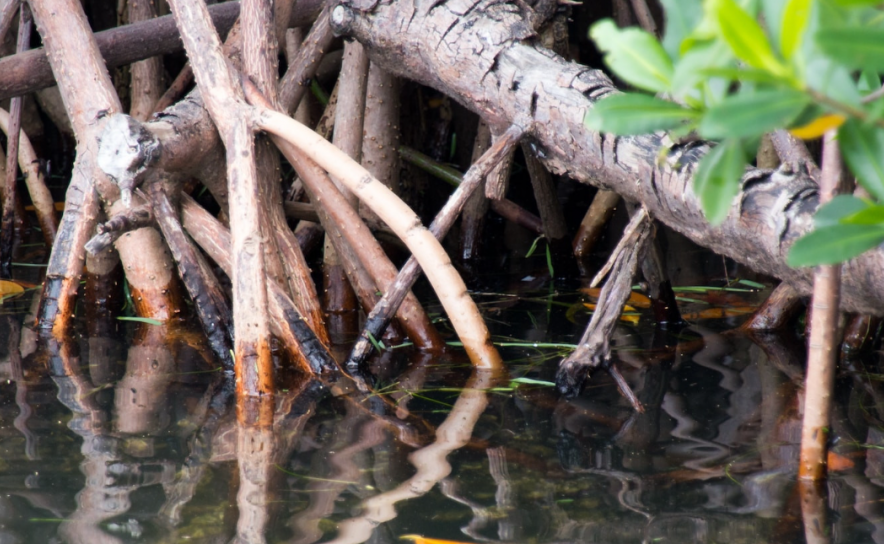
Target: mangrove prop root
<point x="126" y="221"/>
<point x="545" y="194"/>
<point x="593" y="224"/>
<point x="297" y="78"/>
<point x="349" y="121"/>
<point x="449" y="286"/>
<point x="288" y="323"/>
<point x="822" y="348"/>
<point x="472" y="218"/>
<point x="8" y="218"/>
<point x="223" y="100"/>
<point x="382" y="313"/>
<point x="781" y="306"/>
<point x="35" y="180"/>
<point x="89" y="97"/>
<point x="594" y="349"/>
<point x="202" y="286"/>
<point x="146" y="85"/>
<point x="355" y="242"/>
<point x="381" y="137"/>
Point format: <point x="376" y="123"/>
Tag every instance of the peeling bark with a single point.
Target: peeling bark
<point x="475" y="52"/>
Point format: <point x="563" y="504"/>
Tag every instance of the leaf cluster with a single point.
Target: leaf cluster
<point x="730" y="71"/>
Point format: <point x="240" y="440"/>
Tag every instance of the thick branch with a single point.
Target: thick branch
<point x="473" y="51"/>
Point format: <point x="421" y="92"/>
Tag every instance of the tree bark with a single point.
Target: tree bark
<point x="474" y="51"/>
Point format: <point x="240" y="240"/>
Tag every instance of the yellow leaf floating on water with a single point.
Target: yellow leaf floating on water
<point x="628" y="317"/>
<point x="818" y="126"/>
<point x="10" y="288"/>
<point x="423" y="540"/>
<point x="635" y="299"/>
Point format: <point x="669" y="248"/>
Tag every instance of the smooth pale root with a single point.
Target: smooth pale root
<point x="447" y="283"/>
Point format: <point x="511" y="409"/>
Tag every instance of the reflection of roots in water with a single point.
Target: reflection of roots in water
<point x="703" y="452"/>
<point x="431" y="462"/>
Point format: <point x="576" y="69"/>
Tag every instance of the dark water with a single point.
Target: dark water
<point x="119" y="438"/>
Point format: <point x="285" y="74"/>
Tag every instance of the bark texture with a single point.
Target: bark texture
<point x="479" y="52"/>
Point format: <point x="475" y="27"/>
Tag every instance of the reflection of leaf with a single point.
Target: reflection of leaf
<point x="718" y="313"/>
<point x="417" y="539"/>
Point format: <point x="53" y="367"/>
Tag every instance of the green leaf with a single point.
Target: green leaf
<point x="147" y="320"/>
<point x="837" y="209"/>
<point x="855" y="47"/>
<point x="533" y="247"/>
<point x="752" y="113"/>
<point x="717" y="179"/>
<point x="634" y="56"/>
<point x="681" y="18"/>
<point x="633" y="113"/>
<point x="742" y="74"/>
<point x="746" y="38"/>
<point x="863" y="149"/>
<point x="857" y="3"/>
<point x="532" y="381"/>
<point x="832" y="79"/>
<point x="834" y="244"/>
<point x="872" y="215"/>
<point x="795" y="18"/>
<point x="772" y="15"/>
<point x="868" y="81"/>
